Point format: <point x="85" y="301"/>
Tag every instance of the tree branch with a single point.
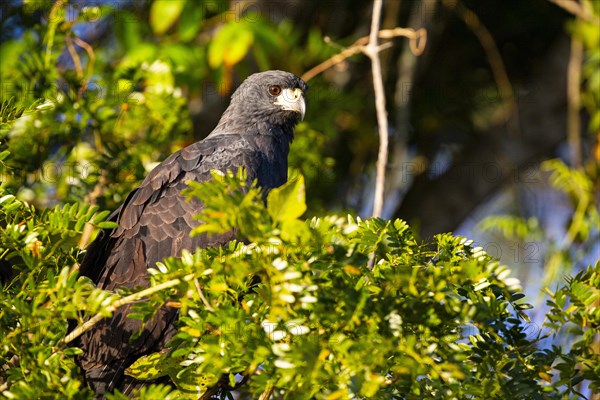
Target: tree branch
<point x="74" y="56"/>
<point x="201" y="294"/>
<point x="418" y="40"/>
<point x="372" y="51"/>
<point x="574" y="101"/>
<point x="87" y="325"/>
<point x="91" y="61"/>
<point x="576" y="9"/>
<point x="266" y="395"/>
<point x="369" y="45"/>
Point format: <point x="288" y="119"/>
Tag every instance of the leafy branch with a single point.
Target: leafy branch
<point x="89" y="324"/>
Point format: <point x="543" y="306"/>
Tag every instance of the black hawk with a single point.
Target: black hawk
<point x="155" y="220"/>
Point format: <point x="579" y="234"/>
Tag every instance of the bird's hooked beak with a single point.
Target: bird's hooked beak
<point x="292" y="100"/>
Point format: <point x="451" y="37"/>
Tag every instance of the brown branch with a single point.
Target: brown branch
<point x="92" y="60"/>
<point x="266" y="395"/>
<point x="330" y="62"/>
<point x="369" y="45"/>
<point x="576" y="9"/>
<point x="75" y="57"/>
<point x="201" y="294"/>
<point x="372" y="51"/>
<point x="574" y="100"/>
<point x="418" y="40"/>
<point x="87" y="325"/>
<point x="486" y="40"/>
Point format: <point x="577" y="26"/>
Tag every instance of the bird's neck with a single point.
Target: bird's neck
<point x="231" y="123"/>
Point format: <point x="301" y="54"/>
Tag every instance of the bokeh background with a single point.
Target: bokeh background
<point x="493" y="133"/>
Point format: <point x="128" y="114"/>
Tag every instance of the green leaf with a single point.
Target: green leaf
<point x="128" y="30"/>
<point x="107" y="225"/>
<point x="230" y="45"/>
<point x="98" y="218"/>
<point x="148" y="367"/>
<point x="164" y="13"/>
<point x="190" y="382"/>
<point x="288" y="201"/>
<point x="190" y="22"/>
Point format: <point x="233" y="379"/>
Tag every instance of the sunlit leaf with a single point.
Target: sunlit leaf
<point x="230" y="45"/>
<point x="287" y="202"/>
<point x="164" y="13"/>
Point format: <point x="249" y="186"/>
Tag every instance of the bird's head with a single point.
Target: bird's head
<point x="271" y="97"/>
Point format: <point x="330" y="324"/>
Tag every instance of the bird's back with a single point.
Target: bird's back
<point x="155" y="222"/>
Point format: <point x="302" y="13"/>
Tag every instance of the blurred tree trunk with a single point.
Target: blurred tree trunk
<point x="407" y="67"/>
<point x="494" y="158"/>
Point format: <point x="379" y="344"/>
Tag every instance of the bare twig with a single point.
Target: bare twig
<point x="87" y="325"/>
<point x="201" y="294"/>
<point x="91" y="61"/>
<point x="418" y="39"/>
<point x="266" y="395"/>
<point x="372" y="51"/>
<point x="369" y="45"/>
<point x="74" y="56"/>
<point x="330" y="62"/>
<point x="486" y="39"/>
<point x="574" y="100"/>
<point x="576" y="9"/>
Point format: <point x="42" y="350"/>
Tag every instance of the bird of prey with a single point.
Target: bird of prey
<point x="155" y="220"/>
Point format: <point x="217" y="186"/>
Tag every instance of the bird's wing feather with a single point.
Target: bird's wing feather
<point x="154" y="222"/>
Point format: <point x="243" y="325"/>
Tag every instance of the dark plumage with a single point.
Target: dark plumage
<point x="155" y="220"/>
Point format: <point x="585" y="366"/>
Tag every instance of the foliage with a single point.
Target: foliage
<point x="103" y="92"/>
<point x="574" y="308"/>
<point x="296" y="310"/>
<point x="292" y="306"/>
<point x="578" y="184"/>
<point x="582" y="232"/>
<point x="423" y="323"/>
<point x="574" y="316"/>
<point x="40" y="291"/>
<point x="588" y="32"/>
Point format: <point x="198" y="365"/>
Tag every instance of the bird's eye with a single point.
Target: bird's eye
<point x="275" y="90"/>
